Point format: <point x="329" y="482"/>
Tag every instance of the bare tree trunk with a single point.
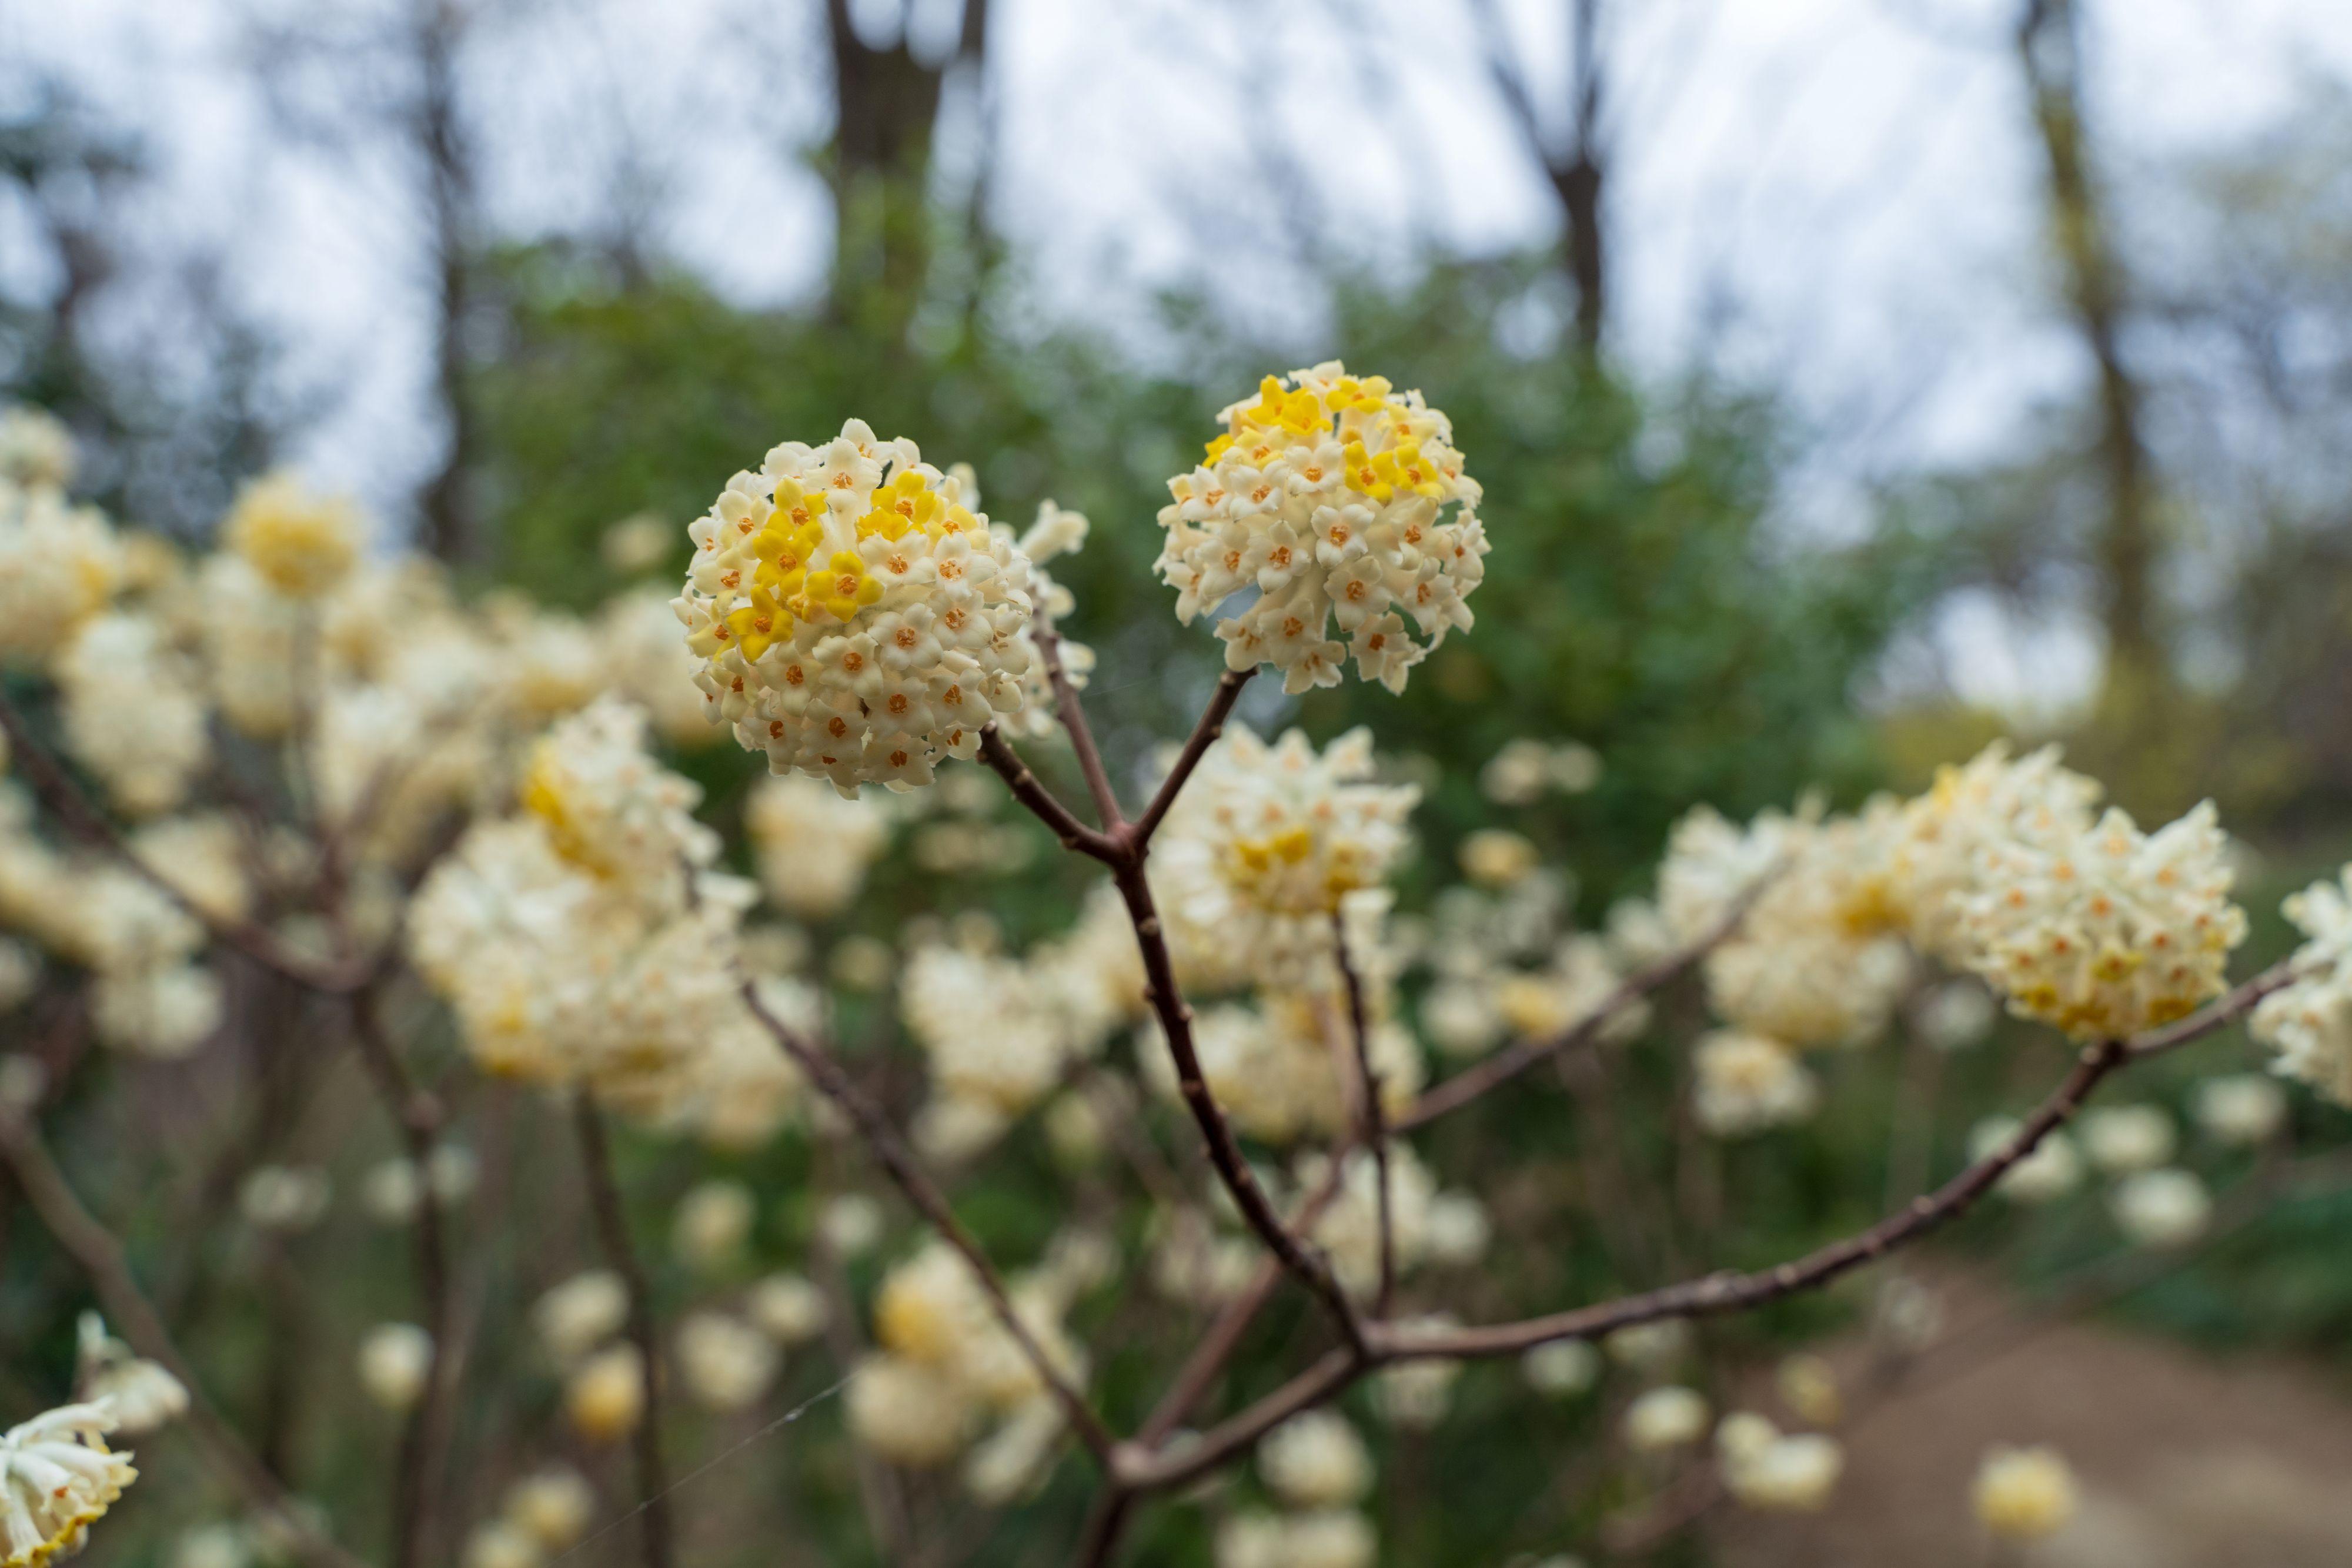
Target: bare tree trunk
<point x="887" y="107"/>
<point x="2049" y="50"/>
<point x="452" y="524"/>
<point x="1577" y="173"/>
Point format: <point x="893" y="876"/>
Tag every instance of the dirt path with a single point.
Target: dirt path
<point x="2185" y="1461"/>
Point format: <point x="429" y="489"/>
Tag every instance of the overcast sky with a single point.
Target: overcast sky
<point x="1834" y="195"/>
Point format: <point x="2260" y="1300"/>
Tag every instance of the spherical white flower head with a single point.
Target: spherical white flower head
<point x="581" y="1314"/>
<point x="910" y="1413"/>
<point x="1669" y="1417"/>
<point x="713" y="1222"/>
<point x="2309" y="1023"/>
<point x="554" y="1507"/>
<point x="1316" y="1460"/>
<point x="59" y="564"/>
<point x="302" y="542"/>
<point x="637" y="635"/>
<point x="1337" y="499"/>
<point x="2164" y="1208"/>
<point x="1266" y="842"/>
<point x="2110" y="931"/>
<point x="1328" y="1538"/>
<point x="1776" y="1474"/>
<point x="142" y="1395"/>
<point x="1712" y="862"/>
<point x="2240" y="1110"/>
<point x="2052" y="1170"/>
<point x="1562" y="1368"/>
<point x="725" y="1363"/>
<point x="57" y="1476"/>
<point x="1814" y="963"/>
<point x="2121" y="1139"/>
<point x="855" y="620"/>
<point x="394" y="1360"/>
<point x="1748" y="1082"/>
<point x="1349" y="1227"/>
<point x="36" y="451"/>
<point x="146" y="749"/>
<point x="2025" y="1494"/>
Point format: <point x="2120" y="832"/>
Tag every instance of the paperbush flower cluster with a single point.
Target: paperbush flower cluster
<point x="2309" y="1023"/>
<point x="2003" y="867"/>
<point x="857" y="620"/>
<point x="1330" y="499"/>
<point x="581" y="941"/>
<point x="950" y="1374"/>
<point x="1266" y="844"/>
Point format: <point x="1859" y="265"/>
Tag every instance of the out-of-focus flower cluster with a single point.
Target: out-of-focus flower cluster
<point x="949" y="1380"/>
<point x="2003" y="867"/>
<point x="582" y="940"/>
<point x="1329" y="499"/>
<point x="2309" y="1022"/>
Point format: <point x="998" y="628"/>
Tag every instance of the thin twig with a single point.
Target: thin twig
<point x="101" y="1257"/>
<point x="83" y="818"/>
<point x="1074" y="720"/>
<point x="1216" y="1347"/>
<point x="1374" y="1115"/>
<point x="418" y="1117"/>
<point x="1175" y="1016"/>
<point x="1713" y="1294"/>
<point x="1462" y="1088"/>
<point x="1728" y="1291"/>
<point x="1212" y="724"/>
<point x="1123" y="851"/>
<point x="899" y="1162"/>
<point x="1027" y="788"/>
<point x="613" y="1231"/>
<point x="1098" y="1541"/>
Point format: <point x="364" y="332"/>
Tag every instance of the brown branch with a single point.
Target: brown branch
<point x="82" y="817"/>
<point x="1212" y="724"/>
<point x="418" y="1117"/>
<point x="1715" y="1293"/>
<point x="1074" y="720"/>
<point x="1374" y="1127"/>
<point x="1728" y="1291"/>
<point x="1505" y="1065"/>
<point x="1224" y="1336"/>
<point x="998" y="753"/>
<point x="1175" y="1016"/>
<point x="899" y="1162"/>
<point x="1123" y="850"/>
<point x="613" y="1233"/>
<point x="1330" y="1373"/>
<point x="2213" y="1015"/>
<point x="101" y="1257"/>
<point x="1105" y="1522"/>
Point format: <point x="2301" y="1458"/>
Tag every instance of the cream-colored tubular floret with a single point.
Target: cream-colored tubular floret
<point x="56" y="1479"/>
